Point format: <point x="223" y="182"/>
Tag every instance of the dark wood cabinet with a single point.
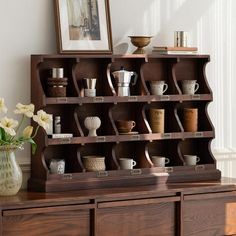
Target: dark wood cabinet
<point x="154" y="216"/>
<point x="48" y="221"/>
<point x="198" y="209"/>
<point x="210" y="214"/>
<point x="141" y="145"/>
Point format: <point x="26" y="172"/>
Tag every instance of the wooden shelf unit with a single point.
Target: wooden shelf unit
<point x="74" y="108"/>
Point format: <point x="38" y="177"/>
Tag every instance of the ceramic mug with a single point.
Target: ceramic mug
<point x="90" y="92"/>
<point x="125" y="126"/>
<point x="160" y="161"/>
<point x="157" y="120"/>
<point x="127" y="163"/>
<point x="190" y="119"/>
<point x="158" y="87"/>
<point x="191" y="160"/>
<point x="189" y="86"/>
<point x="57" y="166"/>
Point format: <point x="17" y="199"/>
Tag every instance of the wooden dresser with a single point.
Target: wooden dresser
<point x="202" y="209"/>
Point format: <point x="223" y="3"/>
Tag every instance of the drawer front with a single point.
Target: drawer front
<point x="139" y="220"/>
<point x="47" y="222"/>
<point x="210" y="215"/>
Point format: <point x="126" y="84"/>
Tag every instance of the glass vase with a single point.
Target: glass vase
<point x="10" y="172"/>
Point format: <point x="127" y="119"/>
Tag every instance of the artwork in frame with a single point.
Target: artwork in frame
<point x="83" y="26"/>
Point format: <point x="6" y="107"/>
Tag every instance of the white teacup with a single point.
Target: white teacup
<point x="57" y="166"/>
<point x="189" y="86"/>
<point x="158" y="87"/>
<point x="191" y="160"/>
<point x="127" y="163"/>
<point x="160" y="161"/>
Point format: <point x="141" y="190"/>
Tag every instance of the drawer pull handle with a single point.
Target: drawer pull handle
<point x="62" y="100"/>
<point x="166" y="135"/>
<point x="196" y="97"/>
<point x="101" y="139"/>
<point x="165" y="98"/>
<point x="67" y="176"/>
<point x="136" y="172"/>
<point x="132" y="98"/>
<point x="98" y="99"/>
<point x="102" y="174"/>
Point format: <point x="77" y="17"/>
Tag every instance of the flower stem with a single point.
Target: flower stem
<point x="17" y="129"/>
<point x="35" y="133"/>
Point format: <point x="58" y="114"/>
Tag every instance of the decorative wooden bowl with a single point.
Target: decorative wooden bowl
<point x="140" y="42"/>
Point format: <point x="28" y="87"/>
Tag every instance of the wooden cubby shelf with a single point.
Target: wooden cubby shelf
<point x="140" y="145"/>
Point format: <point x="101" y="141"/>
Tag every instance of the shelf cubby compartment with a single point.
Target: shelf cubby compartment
<point x="68" y="153"/>
<point x="66" y="112"/>
<point x="98" y="149"/>
<point x="171" y="121"/>
<point x="100" y="110"/>
<point x="199" y="147"/>
<point x="96" y="67"/>
<point x="133" y="150"/>
<point x="204" y="125"/>
<point x="161" y="69"/>
<point x="193" y="69"/>
<point x="45" y="71"/>
<point x="162" y="148"/>
<point x="131" y="63"/>
<point x="130" y="111"/>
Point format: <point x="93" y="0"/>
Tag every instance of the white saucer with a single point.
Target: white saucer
<point x="132" y="132"/>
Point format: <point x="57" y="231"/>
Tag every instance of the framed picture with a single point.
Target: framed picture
<point x="83" y="26"/>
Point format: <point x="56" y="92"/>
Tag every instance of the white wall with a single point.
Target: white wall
<point x="27" y="27"/>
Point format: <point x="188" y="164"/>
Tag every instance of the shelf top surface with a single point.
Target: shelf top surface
<point x="115" y="56"/>
<point x="73" y="197"/>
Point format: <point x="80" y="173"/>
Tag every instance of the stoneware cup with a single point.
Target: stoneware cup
<point x="160" y="161"/>
<point x="57" y="166"/>
<point x="190" y="119"/>
<point x="125" y="126"/>
<point x="158" y="87"/>
<point x="127" y="163"/>
<point x="90" y="92"/>
<point x="189" y="86"/>
<point x="94" y="163"/>
<point x="191" y="160"/>
<point x="157" y="120"/>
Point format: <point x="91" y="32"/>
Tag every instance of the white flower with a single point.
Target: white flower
<point x="27" y="110"/>
<point x="2" y="105"/>
<point x="8" y="125"/>
<point x="43" y="119"/>
<point x="27" y="132"/>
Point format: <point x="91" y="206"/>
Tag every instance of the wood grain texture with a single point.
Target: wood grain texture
<point x="210" y="217"/>
<point x="48" y="224"/>
<point x="143" y="220"/>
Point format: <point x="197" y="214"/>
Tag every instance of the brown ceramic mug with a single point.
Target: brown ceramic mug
<point x="125" y="126"/>
<point x="190" y="119"/>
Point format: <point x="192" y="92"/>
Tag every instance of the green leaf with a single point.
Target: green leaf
<point x="2" y="134"/>
<point x="33" y="145"/>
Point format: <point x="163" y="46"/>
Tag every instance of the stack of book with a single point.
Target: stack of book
<point x="175" y="50"/>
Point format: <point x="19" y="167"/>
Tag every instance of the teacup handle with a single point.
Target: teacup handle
<point x="134" y="163"/>
<point x="196" y="87"/>
<point x="165" y="87"/>
<point x="135" y="78"/>
<point x="198" y="159"/>
<point x="133" y="124"/>
<point x="167" y="160"/>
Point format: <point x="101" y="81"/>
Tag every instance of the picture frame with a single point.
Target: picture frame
<point x="83" y="26"/>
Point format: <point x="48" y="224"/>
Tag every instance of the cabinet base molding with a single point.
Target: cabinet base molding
<point x="122" y="181"/>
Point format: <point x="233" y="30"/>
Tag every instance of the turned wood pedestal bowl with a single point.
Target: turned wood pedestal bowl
<point x="140" y="42"/>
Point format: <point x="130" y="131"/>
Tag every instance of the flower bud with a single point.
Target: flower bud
<point x="27" y="132"/>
